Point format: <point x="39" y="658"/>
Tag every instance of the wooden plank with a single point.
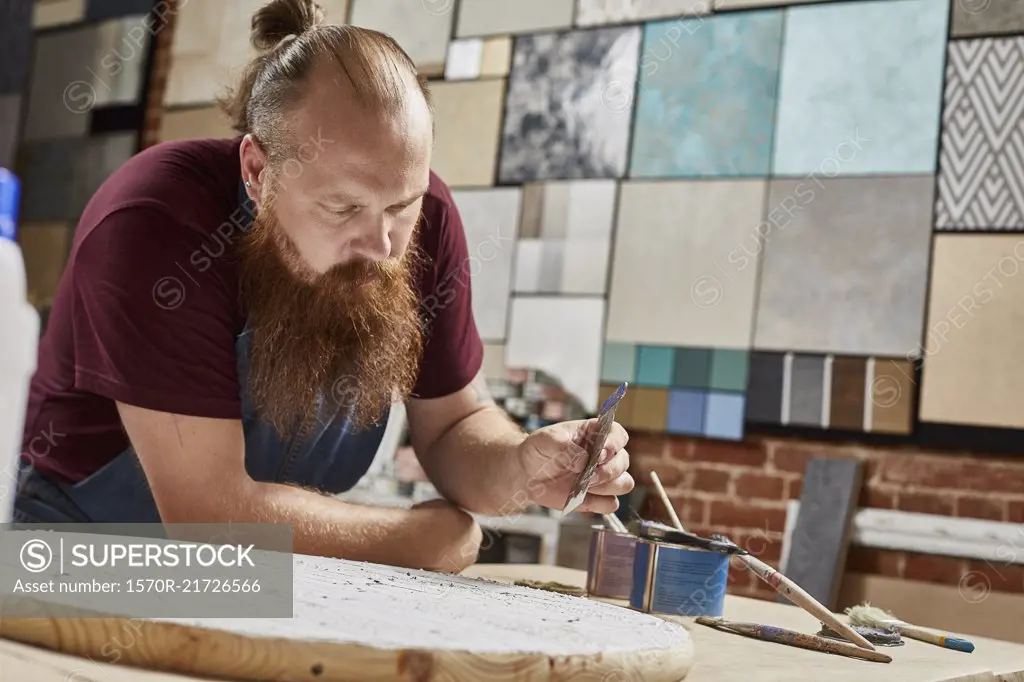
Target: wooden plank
<point x="821" y="536"/>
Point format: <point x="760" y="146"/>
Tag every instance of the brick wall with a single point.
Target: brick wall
<point x="741" y="490"/>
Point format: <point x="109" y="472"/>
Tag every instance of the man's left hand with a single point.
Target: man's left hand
<point x="551" y="457"/>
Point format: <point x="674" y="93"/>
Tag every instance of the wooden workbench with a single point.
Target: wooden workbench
<point x="721" y="657"/>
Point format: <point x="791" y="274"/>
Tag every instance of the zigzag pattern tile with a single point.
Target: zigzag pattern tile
<point x="981" y="178"/>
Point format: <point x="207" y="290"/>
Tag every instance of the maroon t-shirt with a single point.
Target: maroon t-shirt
<point x="147" y="310"/>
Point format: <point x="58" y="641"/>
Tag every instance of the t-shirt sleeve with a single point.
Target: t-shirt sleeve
<point x="453" y="352"/>
<point x="154" y="318"/>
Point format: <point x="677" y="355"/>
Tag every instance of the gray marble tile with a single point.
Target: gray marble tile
<point x="503" y="17"/>
<point x="987" y="17"/>
<point x="15" y="44"/>
<point x="807" y="390"/>
<point x="47" y="172"/>
<point x="10" y="118"/>
<point x="844" y="265"/>
<point x="569" y="105"/>
<point x="62" y="91"/>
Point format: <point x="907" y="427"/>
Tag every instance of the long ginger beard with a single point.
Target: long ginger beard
<point x="350" y="343"/>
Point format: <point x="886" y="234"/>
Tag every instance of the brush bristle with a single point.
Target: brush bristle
<point x="871" y="616"/>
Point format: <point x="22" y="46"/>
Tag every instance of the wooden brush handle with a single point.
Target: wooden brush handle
<point x="944" y="641"/>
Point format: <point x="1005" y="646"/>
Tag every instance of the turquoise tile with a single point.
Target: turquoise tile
<point x="723" y="417"/>
<point x="654" y="366"/>
<point x="861" y="88"/>
<point x="686" y="411"/>
<point x="706" y="97"/>
<point x="618" y="363"/>
<point x="693" y="368"/>
<point x="729" y="369"/>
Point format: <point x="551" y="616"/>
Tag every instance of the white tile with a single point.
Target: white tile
<point x="596" y="12"/>
<point x="560" y="335"/>
<point x="490" y="218"/>
<point x="529" y="260"/>
<point x="494" y="17"/>
<point x="423" y="34"/>
<point x="464" y="59"/>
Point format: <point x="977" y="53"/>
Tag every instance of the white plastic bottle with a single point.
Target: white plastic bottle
<point x="19" y="340"/>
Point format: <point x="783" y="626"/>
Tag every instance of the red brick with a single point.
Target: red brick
<point x="740" y="454"/>
<point x="926" y="503"/>
<point x="978" y="507"/>
<point x="692" y="510"/>
<point x="710" y="480"/>
<point x="760" y="486"/>
<point x="995" y="576"/>
<point x="933" y="569"/>
<point x="877" y="497"/>
<point x="795" y="487"/>
<point x="641" y="466"/>
<point x="787" y="458"/>
<point x="740" y="576"/>
<point x="1015" y="512"/>
<point x="646" y="444"/>
<point x="959" y="473"/>
<point x="680" y="448"/>
<point x="728" y="513"/>
<point x="875" y="561"/>
<point x="765" y="546"/>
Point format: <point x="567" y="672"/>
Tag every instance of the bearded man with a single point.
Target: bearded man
<point x="237" y="317"/>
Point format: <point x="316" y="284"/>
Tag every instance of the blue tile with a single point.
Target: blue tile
<point x="861" y="88"/>
<point x="724" y="416"/>
<point x="655" y="366"/>
<point x="706" y="97"/>
<point x="686" y="411"/>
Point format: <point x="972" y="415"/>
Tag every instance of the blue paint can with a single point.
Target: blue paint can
<point x="678" y="580"/>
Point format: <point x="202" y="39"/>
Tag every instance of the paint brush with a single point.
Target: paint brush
<point x="771" y="633"/>
<point x="614" y="523"/>
<point x="665" y="501"/>
<point x="872" y="616"/>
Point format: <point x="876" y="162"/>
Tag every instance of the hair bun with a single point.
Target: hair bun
<point x="279" y="19"/>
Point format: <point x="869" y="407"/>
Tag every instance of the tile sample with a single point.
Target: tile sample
<point x="988" y="17"/>
<point x="673" y="286"/>
<point x="561" y="336"/>
<point x="490" y="219"/>
<point x="423" y="34"/>
<point x="498" y="17"/>
<point x="62" y="91"/>
<point x="723" y="417"/>
<point x="559" y="122"/>
<point x="766" y="385"/>
<point x="981" y="162"/>
<point x="122" y="61"/>
<point x="566" y="236"/>
<point x="494" y="361"/>
<point x="726" y="5"/>
<point x="861" y="88"/>
<point x="47" y="172"/>
<point x="846" y="399"/>
<point x="100" y="157"/>
<point x="194" y="122"/>
<point x="467" y="127"/>
<point x="716" y="120"/>
<point x="595" y="12"/>
<point x="50" y="13"/>
<point x="496" y="59"/>
<point x="692" y="368"/>
<point x="10" y="128"/>
<point x="16" y="37"/>
<point x="849" y="249"/>
<point x="729" y="369"/>
<point x="101" y="10"/>
<point x="464" y="59"/>
<point x="650" y="409"/>
<point x="891" y="394"/>
<point x="45" y="248"/>
<point x="686" y="410"/>
<point x="807" y="391"/>
<point x="655" y="366"/>
<point x="618" y="363"/>
<point x="972" y="371"/>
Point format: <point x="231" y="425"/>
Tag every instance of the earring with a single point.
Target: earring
<point x="248" y="184"/>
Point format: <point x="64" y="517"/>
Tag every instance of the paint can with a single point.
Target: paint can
<point x="678" y="580"/>
<point x="610" y="564"/>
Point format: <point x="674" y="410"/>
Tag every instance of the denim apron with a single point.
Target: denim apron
<point x="330" y="456"/>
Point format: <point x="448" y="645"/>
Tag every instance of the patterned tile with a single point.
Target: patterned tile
<point x="650" y="409"/>
<point x="15" y="45"/>
<point x="490" y="219"/>
<point x="62" y="91"/>
<point x="491" y="17"/>
<point x="618" y="363"/>
<point x="191" y="123"/>
<point x="845" y="249"/>
<point x="44" y="247"/>
<point x="558" y="124"/>
<point x="891" y="393"/>
<point x="686" y="410"/>
<point x="468" y="125"/>
<point x="10" y="128"/>
<point x="596" y="12"/>
<point x="566" y="236"/>
<point x="423" y="34"/>
<point x="723" y="417"/>
<point x="807" y="390"/>
<point x="101" y="10"/>
<point x="764" y="395"/>
<point x="860" y="88"/>
<point x="729" y="369"/>
<point x="981" y="163"/>
<point x="849" y="377"/>
<point x="562" y="336"/>
<point x="692" y="368"/>
<point x="975" y="17"/>
<point x="972" y="371"/>
<point x="715" y="120"/>
<point x="655" y="366"/>
<point x="50" y="13"/>
<point x="669" y="286"/>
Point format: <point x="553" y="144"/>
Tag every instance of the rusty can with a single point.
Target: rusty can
<point x="610" y="564"/>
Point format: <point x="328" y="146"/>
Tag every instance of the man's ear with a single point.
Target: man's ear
<point x="254" y="163"/>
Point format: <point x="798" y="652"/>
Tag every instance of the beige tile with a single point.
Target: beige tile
<point x="468" y="116"/>
<point x="50" y="13"/>
<point x="499" y="17"/>
<point x="202" y="122"/>
<point x="421" y="33"/>
<point x="497" y="56"/>
<point x="972" y="371"/>
<point x="494" y="360"/>
<point x="44" y="247"/>
<point x="666" y="286"/>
